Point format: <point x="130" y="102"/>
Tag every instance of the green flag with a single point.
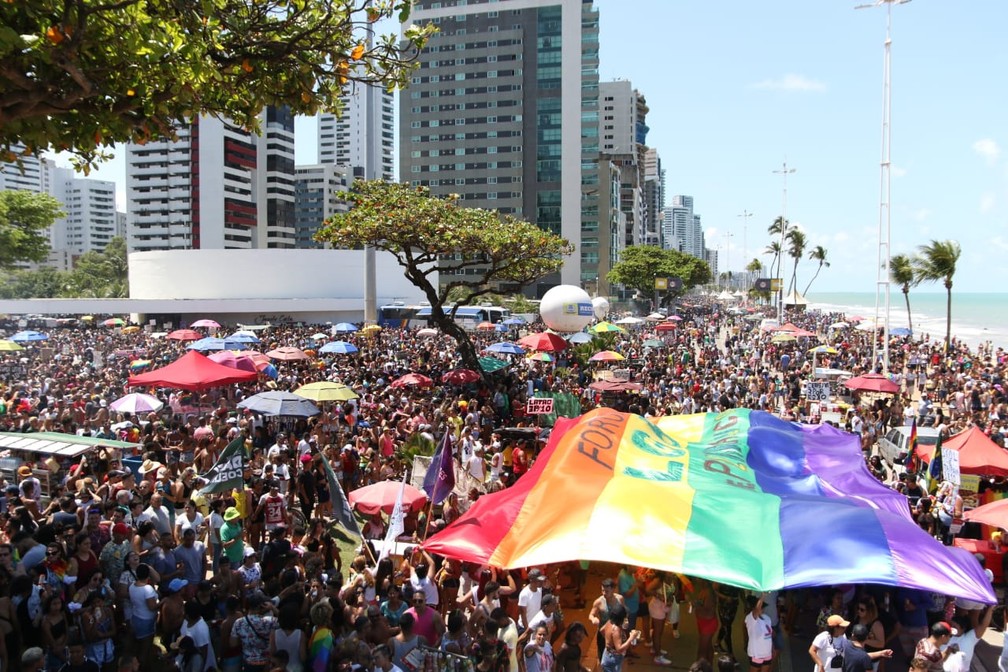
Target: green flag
<point x="227" y="473"/>
<point x="340" y="506"/>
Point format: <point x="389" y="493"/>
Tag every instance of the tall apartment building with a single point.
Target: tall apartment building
<point x="622" y="134"/>
<point x="654" y="197"/>
<point x="503" y="110"/>
<point x="215" y="187"/>
<point x="90" y="220"/>
<point x="363" y="136"/>
<point x="681" y="228"/>
<point x="320" y="193"/>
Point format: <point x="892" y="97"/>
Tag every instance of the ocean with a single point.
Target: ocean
<point x="976" y="317"/>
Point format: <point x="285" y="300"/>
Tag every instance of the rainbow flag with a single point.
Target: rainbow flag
<point x="739" y="497"/>
<point x="911" y="445"/>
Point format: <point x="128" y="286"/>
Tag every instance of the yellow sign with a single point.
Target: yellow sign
<point x="661" y="283"/>
<point x="775" y="284"/>
<point x="970" y="483"/>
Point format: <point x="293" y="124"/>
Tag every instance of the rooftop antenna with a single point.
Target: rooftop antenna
<point x="882" y="282"/>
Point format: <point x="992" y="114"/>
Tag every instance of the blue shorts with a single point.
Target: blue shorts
<point x="143" y="628"/>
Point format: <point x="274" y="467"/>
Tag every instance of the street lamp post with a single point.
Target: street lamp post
<point x="784" y="171"/>
<point x="745" y="242"/>
<point x="882" y="282"/>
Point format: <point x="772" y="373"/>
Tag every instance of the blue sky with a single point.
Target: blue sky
<point x="736" y="87"/>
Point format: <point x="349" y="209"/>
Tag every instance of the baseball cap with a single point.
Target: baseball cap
<point x="942" y="628"/>
<point x="176" y="585"/>
<point x="121" y="528"/>
<point x="836" y="620"/>
<point x="536" y="575"/>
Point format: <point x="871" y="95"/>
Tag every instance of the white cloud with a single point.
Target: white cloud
<point x="898" y="172"/>
<point x="1000" y="243"/>
<point x="987" y="202"/>
<point x="987" y="148"/>
<point x="840" y="237"/>
<point x="920" y="214"/>
<point x="790" y="82"/>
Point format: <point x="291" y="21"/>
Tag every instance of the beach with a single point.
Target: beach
<point x="976" y="317"/>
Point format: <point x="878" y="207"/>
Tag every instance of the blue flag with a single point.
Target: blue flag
<point x="440" y="478"/>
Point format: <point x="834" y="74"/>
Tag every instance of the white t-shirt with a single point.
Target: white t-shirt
<point x="531" y="603"/>
<point x="960" y="662"/>
<point x="760" y="637"/>
<point x="138" y="601"/>
<point x="429" y="589"/>
<point x="827" y="646"/>
<point x="200" y="633"/>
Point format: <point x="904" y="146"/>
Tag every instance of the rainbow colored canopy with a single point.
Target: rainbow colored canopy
<point x="739" y="497"/>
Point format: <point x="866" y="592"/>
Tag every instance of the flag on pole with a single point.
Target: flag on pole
<point x="935" y="469"/>
<point x="396" y="524"/>
<point x="340" y="506"/>
<point x="912" y="444"/>
<point x="440" y="478"/>
<point x="226" y="474"/>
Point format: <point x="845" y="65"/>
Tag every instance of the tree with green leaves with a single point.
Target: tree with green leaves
<point x="25" y="218"/>
<point x="775" y="247"/>
<point x="101" y="275"/>
<point x="901" y="271"/>
<point x="427" y="234"/>
<point x="81" y="75"/>
<point x="639" y="265"/>
<point x="936" y="262"/>
<point x="817" y="254"/>
<point x="41" y="283"/>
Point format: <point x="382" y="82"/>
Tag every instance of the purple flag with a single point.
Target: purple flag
<point x="440" y="478"/>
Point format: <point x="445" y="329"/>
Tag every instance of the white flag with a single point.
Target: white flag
<point x="396" y="524"/>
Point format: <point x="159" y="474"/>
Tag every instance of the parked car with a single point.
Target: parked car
<point x="894" y="445"/>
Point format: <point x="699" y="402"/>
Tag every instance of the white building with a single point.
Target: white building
<point x="363" y="136"/>
<point x="622" y="134"/>
<point x="320" y="193"/>
<point x="681" y="228"/>
<point x="215" y="187"/>
<point x="654" y="196"/>
<point x="91" y="220"/>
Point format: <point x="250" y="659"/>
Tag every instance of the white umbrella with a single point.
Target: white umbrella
<point x="137" y="403"/>
<point x="427" y="333"/>
<point x="319" y="337"/>
<point x="838" y="325"/>
<point x="629" y="320"/>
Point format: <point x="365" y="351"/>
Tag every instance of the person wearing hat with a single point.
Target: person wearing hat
<point x="231" y="537"/>
<point x="172" y="610"/>
<point x="829" y="643"/>
<point x="936" y="647"/>
<point x="530" y="597"/>
<point x="113" y="554"/>
<point x="24" y="473"/>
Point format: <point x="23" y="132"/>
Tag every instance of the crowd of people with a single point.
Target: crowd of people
<point x="125" y="561"/>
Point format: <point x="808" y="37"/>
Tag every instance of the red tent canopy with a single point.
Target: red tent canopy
<point x="977" y="453"/>
<point x="192" y="371"/>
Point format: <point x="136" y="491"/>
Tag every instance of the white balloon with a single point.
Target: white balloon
<point x="601" y="306"/>
<point x="566" y="308"/>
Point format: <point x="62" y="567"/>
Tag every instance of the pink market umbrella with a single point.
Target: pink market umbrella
<point x="184" y="335"/>
<point x="412" y="380"/>
<point x="606" y="356"/>
<point x="872" y="382"/>
<point x="136" y="403"/>
<point x="460" y="377"/>
<point x="994" y="514"/>
<point x="545" y="341"/>
<point x="371" y="499"/>
<point x="228" y="358"/>
<point x="261" y="360"/>
<point x="287" y="354"/>
<point x="209" y="324"/>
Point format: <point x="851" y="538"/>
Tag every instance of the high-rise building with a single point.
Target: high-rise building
<point x="503" y="111"/>
<point x="654" y="196"/>
<point x="363" y="136"/>
<point x="89" y="206"/>
<point x="216" y="186"/>
<point x="622" y="134"/>
<point x="681" y="228"/>
<point x="320" y="193"/>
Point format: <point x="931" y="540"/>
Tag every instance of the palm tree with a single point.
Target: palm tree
<point x="796" y="248"/>
<point x="818" y="253"/>
<point x="936" y="262"/>
<point x="779" y="225"/>
<point x="901" y="271"/>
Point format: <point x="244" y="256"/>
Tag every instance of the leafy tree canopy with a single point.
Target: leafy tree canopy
<point x="25" y="218"/>
<point x="100" y="275"/>
<point x="428" y="234"/>
<point x="80" y="75"/>
<point x="639" y="265"/>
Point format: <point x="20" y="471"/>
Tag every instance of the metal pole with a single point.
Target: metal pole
<point x="882" y="281"/>
<point x="784" y="171"/>
<point x="372" y="166"/>
<point x="745" y="242"/>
